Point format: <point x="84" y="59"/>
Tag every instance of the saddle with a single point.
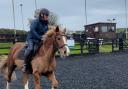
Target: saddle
<point x="32" y="54"/>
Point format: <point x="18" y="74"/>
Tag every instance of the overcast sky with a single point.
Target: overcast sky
<point x="71" y="13"/>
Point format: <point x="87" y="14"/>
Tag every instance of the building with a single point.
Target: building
<point x="101" y="30"/>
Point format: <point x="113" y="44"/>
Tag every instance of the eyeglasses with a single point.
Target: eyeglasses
<point x="46" y="14"/>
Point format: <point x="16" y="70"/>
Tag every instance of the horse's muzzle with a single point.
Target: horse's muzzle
<point x="64" y="52"/>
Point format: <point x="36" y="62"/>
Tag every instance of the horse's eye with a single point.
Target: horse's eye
<point x="58" y="38"/>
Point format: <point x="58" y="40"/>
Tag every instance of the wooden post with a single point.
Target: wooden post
<point x="97" y="45"/>
<point x="81" y="46"/>
<point x="112" y="45"/>
<point x="121" y="45"/>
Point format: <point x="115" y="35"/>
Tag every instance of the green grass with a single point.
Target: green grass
<point x="4" y="51"/>
<point x="103" y="48"/>
<point x="2" y="45"/>
<point x="5" y="45"/>
<point x="75" y="51"/>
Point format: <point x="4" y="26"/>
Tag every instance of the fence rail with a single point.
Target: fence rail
<point x="84" y="46"/>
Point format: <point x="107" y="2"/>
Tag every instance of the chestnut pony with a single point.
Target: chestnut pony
<point x="43" y="63"/>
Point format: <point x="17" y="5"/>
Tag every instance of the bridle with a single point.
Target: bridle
<point x="56" y="46"/>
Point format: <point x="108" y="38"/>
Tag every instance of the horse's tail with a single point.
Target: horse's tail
<point x="4" y="69"/>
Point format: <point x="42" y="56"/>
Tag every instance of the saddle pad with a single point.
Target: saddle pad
<point x="21" y="53"/>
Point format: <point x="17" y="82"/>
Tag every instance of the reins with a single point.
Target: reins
<point x="55" y="45"/>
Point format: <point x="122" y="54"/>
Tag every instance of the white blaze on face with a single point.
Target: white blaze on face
<point x="67" y="49"/>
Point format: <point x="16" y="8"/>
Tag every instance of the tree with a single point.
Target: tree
<point x="120" y="30"/>
<point x="11" y="31"/>
<point x="53" y="19"/>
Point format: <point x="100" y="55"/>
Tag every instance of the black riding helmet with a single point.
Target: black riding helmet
<point x="44" y="11"/>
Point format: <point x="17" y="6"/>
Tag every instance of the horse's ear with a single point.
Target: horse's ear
<point x="57" y="29"/>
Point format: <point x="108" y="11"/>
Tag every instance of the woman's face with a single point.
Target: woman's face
<point x="44" y="17"/>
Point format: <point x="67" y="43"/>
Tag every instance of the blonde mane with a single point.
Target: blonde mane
<point x="51" y="30"/>
<point x="49" y="33"/>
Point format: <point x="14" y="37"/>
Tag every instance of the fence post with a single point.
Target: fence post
<point x="97" y="45"/>
<point x="112" y="45"/>
<point x="121" y="45"/>
<point x="81" y="46"/>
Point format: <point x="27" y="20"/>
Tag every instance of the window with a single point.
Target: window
<point x="104" y="29"/>
<point x="111" y="29"/>
<point x="96" y="29"/>
<point x="86" y="30"/>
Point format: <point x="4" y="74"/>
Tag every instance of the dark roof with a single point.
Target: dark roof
<point x="100" y="23"/>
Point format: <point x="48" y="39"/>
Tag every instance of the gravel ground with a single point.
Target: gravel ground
<point x="99" y="71"/>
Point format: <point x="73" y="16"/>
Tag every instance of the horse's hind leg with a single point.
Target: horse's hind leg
<point x="11" y="67"/>
<point x="25" y="80"/>
<point x="52" y="78"/>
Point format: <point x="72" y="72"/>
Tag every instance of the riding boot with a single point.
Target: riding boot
<point x="26" y="60"/>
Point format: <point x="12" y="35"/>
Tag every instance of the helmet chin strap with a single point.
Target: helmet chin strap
<point x="43" y="16"/>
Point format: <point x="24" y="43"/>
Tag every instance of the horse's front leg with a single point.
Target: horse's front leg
<point x="37" y="79"/>
<point x="10" y="68"/>
<point x="25" y="80"/>
<point x="52" y="78"/>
